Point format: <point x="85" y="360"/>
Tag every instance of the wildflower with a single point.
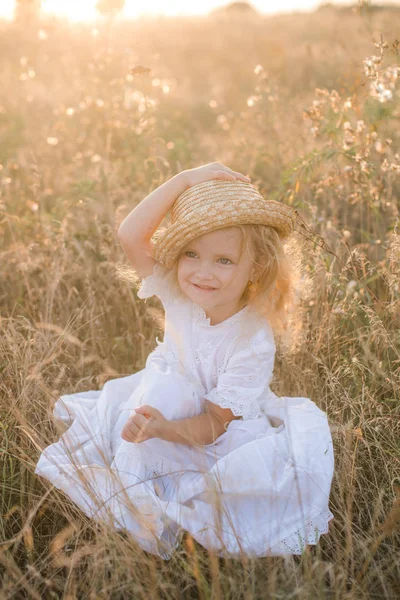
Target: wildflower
<point x="348" y="138"/>
<point x="391" y="73"/>
<point x="321" y="92"/>
<point x="381" y="45"/>
<point x="371" y="136"/>
<point x="334" y="100"/>
<point x="376" y="59"/>
<point x="385" y="165"/>
<point x="52" y="141"/>
<point x="360" y="126"/>
<point x="351" y="285"/>
<point x="34" y="206"/>
<point x="380" y="92"/>
<point x="369" y="68"/>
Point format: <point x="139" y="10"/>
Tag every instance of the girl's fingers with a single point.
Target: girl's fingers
<point x="131" y="427"/>
<point x="229" y="174"/>
<point x="134" y="429"/>
<point x="131" y="434"/>
<point x="221" y="174"/>
<point x="240" y="176"/>
<point x="232" y="176"/>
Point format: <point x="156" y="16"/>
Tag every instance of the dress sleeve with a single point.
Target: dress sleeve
<point x="157" y="284"/>
<point x="247" y="374"/>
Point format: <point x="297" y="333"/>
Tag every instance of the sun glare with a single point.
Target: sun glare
<point x="85" y="10"/>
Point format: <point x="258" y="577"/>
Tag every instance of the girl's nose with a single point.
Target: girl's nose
<point x="204" y="274"/>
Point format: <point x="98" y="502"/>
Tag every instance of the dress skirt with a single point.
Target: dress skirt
<point x="261" y="489"/>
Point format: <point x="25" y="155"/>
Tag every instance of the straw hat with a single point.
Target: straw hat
<point x="215" y="204"/>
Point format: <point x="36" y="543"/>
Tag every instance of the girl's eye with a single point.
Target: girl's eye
<point x="191" y="252"/>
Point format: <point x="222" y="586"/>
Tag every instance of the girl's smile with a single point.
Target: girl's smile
<point x="212" y="263"/>
<point x="204" y="289"/>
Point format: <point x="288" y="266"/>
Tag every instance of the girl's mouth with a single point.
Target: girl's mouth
<point x="204" y="289"/>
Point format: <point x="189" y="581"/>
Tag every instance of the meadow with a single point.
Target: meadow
<point x="92" y="119"/>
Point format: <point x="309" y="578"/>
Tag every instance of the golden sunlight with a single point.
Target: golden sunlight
<point x="85" y="10"/>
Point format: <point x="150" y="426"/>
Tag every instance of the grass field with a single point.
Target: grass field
<point x="309" y="107"/>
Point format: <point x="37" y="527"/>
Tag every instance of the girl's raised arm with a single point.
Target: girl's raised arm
<point x="137" y="228"/>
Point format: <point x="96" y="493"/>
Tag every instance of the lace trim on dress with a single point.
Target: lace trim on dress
<point x="200" y="317"/>
<point x="248" y="409"/>
<point x="309" y="534"/>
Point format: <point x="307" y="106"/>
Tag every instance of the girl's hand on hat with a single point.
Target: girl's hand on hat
<point x="146" y="423"/>
<point x="212" y="171"/>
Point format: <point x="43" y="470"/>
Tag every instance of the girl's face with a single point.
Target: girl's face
<point x="212" y="260"/>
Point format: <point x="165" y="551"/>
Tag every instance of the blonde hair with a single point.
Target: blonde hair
<point x="275" y="289"/>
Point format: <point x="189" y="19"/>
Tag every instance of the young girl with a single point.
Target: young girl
<point x="197" y="441"/>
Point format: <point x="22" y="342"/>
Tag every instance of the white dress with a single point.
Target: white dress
<point x="261" y="489"/>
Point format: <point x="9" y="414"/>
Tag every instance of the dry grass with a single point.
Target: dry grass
<point x="81" y="142"/>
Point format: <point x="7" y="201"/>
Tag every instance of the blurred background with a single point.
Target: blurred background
<point x="80" y="10"/>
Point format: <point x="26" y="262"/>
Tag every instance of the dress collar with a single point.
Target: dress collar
<point x="200" y="318"/>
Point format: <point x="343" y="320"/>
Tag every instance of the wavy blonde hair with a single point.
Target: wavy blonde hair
<point x="276" y="287"/>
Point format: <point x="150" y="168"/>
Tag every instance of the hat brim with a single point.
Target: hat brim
<point x="168" y="246"/>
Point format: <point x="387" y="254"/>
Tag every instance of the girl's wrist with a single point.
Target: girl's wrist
<point x="165" y="430"/>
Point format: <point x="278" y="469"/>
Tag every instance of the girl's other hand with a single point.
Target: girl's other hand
<point x="146" y="423"/>
<point x="211" y="171"/>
